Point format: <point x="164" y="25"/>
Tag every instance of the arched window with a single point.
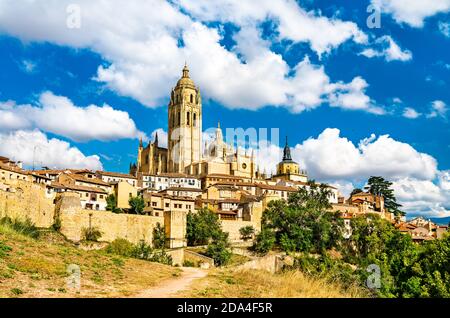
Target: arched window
<point x="188" y="115"/>
<point x="179" y="118"/>
<point x="192" y="98"/>
<point x="195" y="120"/>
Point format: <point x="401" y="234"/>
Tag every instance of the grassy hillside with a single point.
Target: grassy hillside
<point x="254" y="284"/>
<point x="38" y="268"/>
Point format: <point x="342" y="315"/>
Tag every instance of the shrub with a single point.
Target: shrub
<point x="247" y="232"/>
<point x="218" y="250"/>
<point x="57" y="224"/>
<point x="111" y="204"/>
<point x="121" y="247"/>
<point x="142" y="251"/>
<point x="187" y="263"/>
<point x="159" y="236"/>
<point x="21" y="227"/>
<point x="161" y="257"/>
<point x="91" y="234"/>
<point x="264" y="242"/>
<point x="16" y="291"/>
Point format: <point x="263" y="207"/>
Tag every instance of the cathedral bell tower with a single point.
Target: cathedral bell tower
<point x="185" y="125"/>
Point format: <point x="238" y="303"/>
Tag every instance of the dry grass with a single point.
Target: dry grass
<point x="260" y="284"/>
<point x="37" y="268"/>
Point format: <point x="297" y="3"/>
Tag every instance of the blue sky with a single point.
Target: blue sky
<point x="313" y="69"/>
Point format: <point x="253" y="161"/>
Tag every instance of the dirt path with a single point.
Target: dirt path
<point x="171" y="287"/>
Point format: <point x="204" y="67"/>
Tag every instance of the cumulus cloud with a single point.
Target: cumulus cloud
<point x="412" y="12"/>
<point x="162" y="137"/>
<point x="33" y="147"/>
<point x="387" y="48"/>
<point x="438" y="109"/>
<point x="411" y="113"/>
<point x="156" y="37"/>
<point x="58" y="115"/>
<point x="352" y="96"/>
<point x="424" y="196"/>
<point x="444" y="27"/>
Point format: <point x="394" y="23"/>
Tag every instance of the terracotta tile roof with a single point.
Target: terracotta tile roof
<point x="88" y="180"/>
<point x="182" y="189"/>
<point x="277" y="187"/>
<point x="13" y="169"/>
<point x="115" y="174"/>
<point x="77" y="188"/>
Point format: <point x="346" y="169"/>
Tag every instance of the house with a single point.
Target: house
<point x="164" y="181"/>
<point x="110" y="177"/>
<point x="92" y="198"/>
<point x="123" y="191"/>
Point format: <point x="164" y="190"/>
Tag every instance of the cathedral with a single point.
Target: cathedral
<point x="185" y="154"/>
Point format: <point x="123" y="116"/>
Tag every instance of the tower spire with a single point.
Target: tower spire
<point x="185" y="70"/>
<point x="287" y="152"/>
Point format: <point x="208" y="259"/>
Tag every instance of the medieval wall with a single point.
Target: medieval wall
<point x="27" y="200"/>
<point x="233" y="227"/>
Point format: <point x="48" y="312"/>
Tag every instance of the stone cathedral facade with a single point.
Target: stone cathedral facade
<point x="185" y="153"/>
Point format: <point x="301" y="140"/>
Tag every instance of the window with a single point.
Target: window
<point x="101" y="196"/>
<point x="192" y="98"/>
<point x="167" y="205"/>
<point x="195" y="120"/>
<point x="179" y="118"/>
<point x="188" y="118"/>
<point x="130" y="195"/>
<point x="154" y="204"/>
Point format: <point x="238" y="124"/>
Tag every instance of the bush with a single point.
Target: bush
<point x="120" y="247"/>
<point x="264" y="242"/>
<point x="161" y="257"/>
<point x="91" y="234"/>
<point x="159" y="236"/>
<point x="21" y="227"/>
<point x="142" y="251"/>
<point x="247" y="232"/>
<point x="218" y="250"/>
<point x="111" y="204"/>
<point x="57" y="224"/>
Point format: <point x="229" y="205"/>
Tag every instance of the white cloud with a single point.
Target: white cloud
<point x="424" y="196"/>
<point x="444" y="27"/>
<point x="411" y="113"/>
<point x="330" y="156"/>
<point x="58" y="115"/>
<point x="386" y="47"/>
<point x="162" y="137"/>
<point x="156" y="37"/>
<point x="438" y="109"/>
<point x="33" y="147"/>
<point x="352" y="96"/>
<point x="412" y="12"/>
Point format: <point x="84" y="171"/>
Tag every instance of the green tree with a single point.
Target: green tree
<point x="264" y="241"/>
<point x="303" y="223"/>
<point x="381" y="187"/>
<point x="218" y="250"/>
<point x="111" y="204"/>
<point x="137" y="204"/>
<point x="202" y="227"/>
<point x="247" y="232"/>
<point x="159" y="236"/>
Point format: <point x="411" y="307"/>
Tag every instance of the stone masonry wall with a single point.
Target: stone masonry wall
<point x="27" y="200"/>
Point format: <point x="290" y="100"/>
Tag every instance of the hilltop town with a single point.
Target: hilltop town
<point x="174" y="181"/>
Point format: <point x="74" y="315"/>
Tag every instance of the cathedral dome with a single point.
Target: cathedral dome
<point x="185" y="80"/>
